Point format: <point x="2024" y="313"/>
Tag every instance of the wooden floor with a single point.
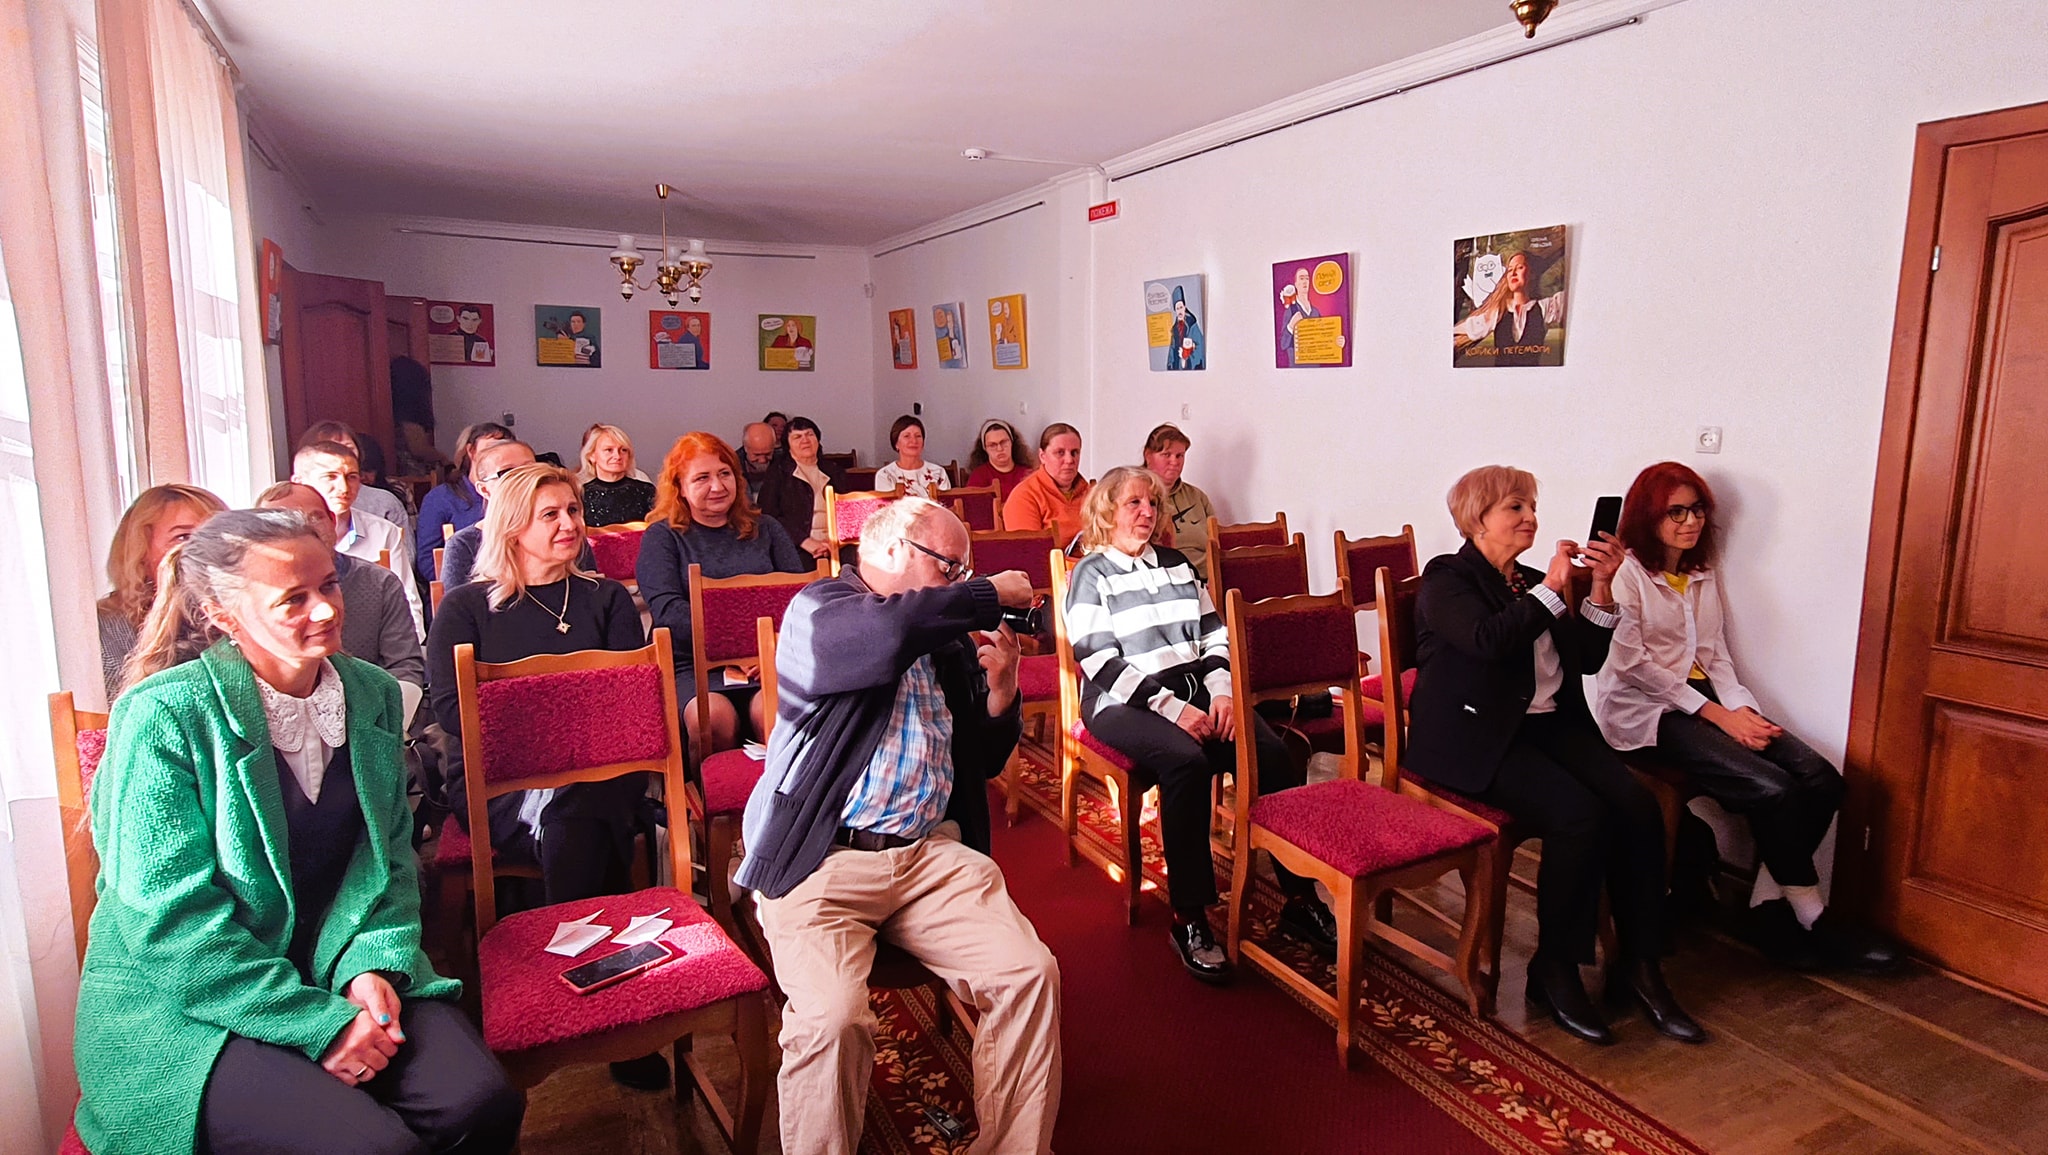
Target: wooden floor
<point x="1917" y="1062"/>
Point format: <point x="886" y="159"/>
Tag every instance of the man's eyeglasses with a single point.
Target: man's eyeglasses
<point x="952" y="569"/>
<point x="1678" y="514"/>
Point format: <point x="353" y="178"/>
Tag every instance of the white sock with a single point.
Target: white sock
<point x="1806" y="904"/>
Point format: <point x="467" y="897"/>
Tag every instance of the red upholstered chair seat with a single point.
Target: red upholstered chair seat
<point x="1038" y="678"/>
<point x="729" y="778"/>
<point x="1375" y="689"/>
<point x="72" y="1144"/>
<point x="1109" y="753"/>
<point x="526" y="1004"/>
<point x="1360" y="829"/>
<point x="453" y="848"/>
<point x="618" y="553"/>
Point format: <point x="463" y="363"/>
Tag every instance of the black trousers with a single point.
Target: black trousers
<point x="1788" y="792"/>
<point x="1599" y="826"/>
<point x="1184" y="767"/>
<point x="443" y="1092"/>
<point x="585" y="846"/>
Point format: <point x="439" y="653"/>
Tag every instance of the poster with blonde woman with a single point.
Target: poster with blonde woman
<point x="1508" y="299"/>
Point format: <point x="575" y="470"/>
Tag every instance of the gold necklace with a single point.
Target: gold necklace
<point x="561" y="619"/>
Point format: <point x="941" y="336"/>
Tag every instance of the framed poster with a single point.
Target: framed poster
<point x="1312" y="312"/>
<point x="787" y="342"/>
<point x="903" y="338"/>
<point x="1507" y="299"/>
<point x="1173" y="323"/>
<point x="461" y="333"/>
<point x="566" y="336"/>
<point x="270" y="277"/>
<point x="1007" y="337"/>
<point x="678" y="340"/>
<point x="951" y="334"/>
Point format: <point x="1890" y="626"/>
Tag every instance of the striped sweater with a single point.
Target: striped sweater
<point x="1130" y="619"/>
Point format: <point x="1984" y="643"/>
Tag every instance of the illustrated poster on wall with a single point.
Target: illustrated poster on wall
<point x="461" y="333"/>
<point x="1508" y="299"/>
<point x="903" y="338"/>
<point x="1006" y="332"/>
<point x="1312" y="312"/>
<point x="951" y="334"/>
<point x="566" y="335"/>
<point x="787" y="342"/>
<point x="270" y="276"/>
<point x="678" y="340"/>
<point x="1173" y="323"/>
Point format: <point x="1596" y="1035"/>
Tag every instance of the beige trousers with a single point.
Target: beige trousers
<point x="947" y="905"/>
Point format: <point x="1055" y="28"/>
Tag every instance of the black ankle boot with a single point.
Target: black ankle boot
<point x="1642" y="980"/>
<point x="1556" y="987"/>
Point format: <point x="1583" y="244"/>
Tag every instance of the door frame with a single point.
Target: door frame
<point x="1858" y="885"/>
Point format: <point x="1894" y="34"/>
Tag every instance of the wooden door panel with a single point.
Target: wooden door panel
<point x="335" y="354"/>
<point x="1986" y="774"/>
<point x="337" y="342"/>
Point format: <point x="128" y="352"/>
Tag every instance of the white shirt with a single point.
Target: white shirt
<point x="1662" y="634"/>
<point x="924" y="481"/>
<point x="369" y="537"/>
<point x="308" y="730"/>
<point x="1550" y="667"/>
<point x="385" y="504"/>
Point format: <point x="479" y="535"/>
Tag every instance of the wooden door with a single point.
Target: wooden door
<point x="1945" y="836"/>
<point x="405" y="323"/>
<point x="335" y="354"/>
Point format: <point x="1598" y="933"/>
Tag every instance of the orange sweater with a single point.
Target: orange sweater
<point x="1037" y="504"/>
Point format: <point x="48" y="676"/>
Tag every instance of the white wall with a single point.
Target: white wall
<point x="554" y="405"/>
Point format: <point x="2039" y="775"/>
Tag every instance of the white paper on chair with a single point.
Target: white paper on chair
<point x="645" y="928"/>
<point x="756" y="751"/>
<point x="573" y="938"/>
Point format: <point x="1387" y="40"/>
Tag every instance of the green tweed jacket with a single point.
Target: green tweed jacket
<point x="188" y="940"/>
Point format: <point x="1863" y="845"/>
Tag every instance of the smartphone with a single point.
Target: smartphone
<point x="1606" y="517"/>
<point x="619" y="966"/>
<point x="945" y="1122"/>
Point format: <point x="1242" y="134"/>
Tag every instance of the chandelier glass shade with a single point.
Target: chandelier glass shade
<point x="678" y="271"/>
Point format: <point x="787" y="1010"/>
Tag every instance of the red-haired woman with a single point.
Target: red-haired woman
<point x="702" y="516"/>
<point x="1669" y="683"/>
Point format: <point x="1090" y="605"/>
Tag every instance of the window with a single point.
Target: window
<point x="25" y="768"/>
<point x="106" y="243"/>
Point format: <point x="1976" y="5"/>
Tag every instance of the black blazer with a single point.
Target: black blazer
<point x="790" y="500"/>
<point x="1476" y="669"/>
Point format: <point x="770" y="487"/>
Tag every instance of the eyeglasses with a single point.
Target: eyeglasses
<point x="953" y="569"/>
<point x="1678" y="514"/>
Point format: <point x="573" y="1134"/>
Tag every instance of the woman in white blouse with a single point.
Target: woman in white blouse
<point x="917" y="477"/>
<point x="1669" y="683"/>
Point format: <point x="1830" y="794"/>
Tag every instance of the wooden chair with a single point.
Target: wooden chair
<point x="435" y="592"/>
<point x="859" y="478"/>
<point x="616" y="548"/>
<point x="1038" y="674"/>
<point x="557" y="719"/>
<point x="1222" y="537"/>
<point x="846" y="512"/>
<point x="979" y="507"/>
<point x="439" y="552"/>
<point x="833" y="463"/>
<point x="1357" y="839"/>
<point x="722" y="616"/>
<point x="1083" y="753"/>
<point x="1359" y="560"/>
<point x="78" y="738"/>
<point x="1261" y="571"/>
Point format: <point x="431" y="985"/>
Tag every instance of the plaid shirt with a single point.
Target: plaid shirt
<point x="908" y="782"/>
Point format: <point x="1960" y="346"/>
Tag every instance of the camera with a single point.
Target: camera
<point x="1031" y="621"/>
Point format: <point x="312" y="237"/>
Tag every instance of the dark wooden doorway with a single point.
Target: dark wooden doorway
<point x="1944" y="839"/>
<point x="335" y="354"/>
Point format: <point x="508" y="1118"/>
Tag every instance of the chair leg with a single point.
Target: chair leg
<point x="718" y="870"/>
<point x="1132" y="809"/>
<point x="1068" y="770"/>
<point x="1352" y="903"/>
<point x="757" y="1072"/>
<point x="1013" y="786"/>
<point x="1479" y="990"/>
<point x="1240" y="882"/>
<point x="1502" y="865"/>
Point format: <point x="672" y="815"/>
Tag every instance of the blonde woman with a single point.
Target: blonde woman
<point x="613" y="491"/>
<point x="162" y="518"/>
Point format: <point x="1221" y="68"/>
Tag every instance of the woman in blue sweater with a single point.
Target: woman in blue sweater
<point x="702" y="517"/>
<point x="455" y="503"/>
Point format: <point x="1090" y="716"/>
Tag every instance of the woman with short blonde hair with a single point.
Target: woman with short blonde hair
<point x="160" y="519"/>
<point x="613" y="490"/>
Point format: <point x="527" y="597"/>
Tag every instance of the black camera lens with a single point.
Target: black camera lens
<point x="1027" y="622"/>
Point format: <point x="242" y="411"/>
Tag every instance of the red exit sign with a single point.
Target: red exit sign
<point x="1102" y="212"/>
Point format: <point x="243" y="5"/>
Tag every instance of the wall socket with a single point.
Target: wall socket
<point x="1184" y="411"/>
<point x="505" y="419"/>
<point x="1707" y="440"/>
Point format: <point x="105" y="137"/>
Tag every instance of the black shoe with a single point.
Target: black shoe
<point x="1775" y="930"/>
<point x="1306" y="918"/>
<point x="1841" y="944"/>
<point x="1556" y="987"/>
<point x="646" y="1073"/>
<point x="1643" y="981"/>
<point x="1199" y="951"/>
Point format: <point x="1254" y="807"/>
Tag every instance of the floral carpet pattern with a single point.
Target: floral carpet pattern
<point x="921" y="1060"/>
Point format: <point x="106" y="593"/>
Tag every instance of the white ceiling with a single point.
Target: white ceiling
<point x="782" y="121"/>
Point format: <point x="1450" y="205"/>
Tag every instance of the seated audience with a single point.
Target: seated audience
<point x="492" y="463"/>
<point x="331" y="470"/>
<point x="778" y="421"/>
<point x="910" y="471"/>
<point x="1051" y="497"/>
<point x="162" y="517"/>
<point x="613" y="491"/>
<point x="1670" y="684"/>
<point x="1155" y="684"/>
<point x="376" y="624"/>
<point x="703" y="517"/>
<point x="1166" y="452"/>
<point x="998" y="459"/>
<point x="455" y="502"/>
<point x="794" y="494"/>
<point x="372" y="498"/>
<point x="1498" y="714"/>
<point x="872" y="819"/>
<point x="254" y="979"/>
<point x="761" y="449"/>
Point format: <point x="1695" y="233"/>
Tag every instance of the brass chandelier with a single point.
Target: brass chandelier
<point x="678" y="272"/>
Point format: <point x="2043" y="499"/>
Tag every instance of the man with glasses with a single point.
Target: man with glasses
<point x="873" y="813"/>
<point x="494" y="461"/>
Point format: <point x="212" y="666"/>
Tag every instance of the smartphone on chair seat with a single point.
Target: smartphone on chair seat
<point x="618" y="966"/>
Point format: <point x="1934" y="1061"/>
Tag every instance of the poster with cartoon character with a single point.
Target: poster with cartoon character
<point x="1312" y="312"/>
<point x="1507" y="299"/>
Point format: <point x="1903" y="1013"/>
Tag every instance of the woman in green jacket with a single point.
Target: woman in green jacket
<point x="254" y="979"/>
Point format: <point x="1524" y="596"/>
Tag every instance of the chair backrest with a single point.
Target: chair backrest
<point x="765" y="630"/>
<point x="1260" y="571"/>
<point x="1029" y="550"/>
<point x="436" y="590"/>
<point x="1060" y="566"/>
<point x="859" y="477"/>
<point x="1359" y="559"/>
<point x="555" y="719"/>
<point x="1244" y="533"/>
<point x="447" y="531"/>
<point x="723" y="612"/>
<point x="1285" y="646"/>
<point x="438" y="551"/>
<point x="617" y="549"/>
<point x="383" y="559"/>
<point x="979" y="507"/>
<point x="78" y="739"/>
<point x="846" y="512"/>
<point x="1395" y="597"/>
<point x="838" y="462"/>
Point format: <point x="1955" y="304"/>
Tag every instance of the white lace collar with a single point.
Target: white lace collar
<point x="294" y="722"/>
